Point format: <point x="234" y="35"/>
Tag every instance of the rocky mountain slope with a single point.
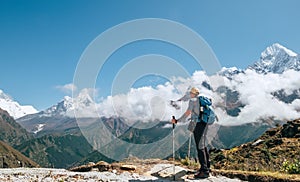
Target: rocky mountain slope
<point x="266" y="153"/>
<point x="11" y="132"/>
<point x="56" y="150"/>
<point x="11" y="158"/>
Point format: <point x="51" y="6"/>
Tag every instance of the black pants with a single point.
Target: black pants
<point x="200" y="138"/>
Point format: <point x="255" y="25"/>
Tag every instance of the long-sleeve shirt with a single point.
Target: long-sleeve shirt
<point x="193" y="109"/>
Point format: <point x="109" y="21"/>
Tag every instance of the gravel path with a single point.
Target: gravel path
<point x="51" y="175"/>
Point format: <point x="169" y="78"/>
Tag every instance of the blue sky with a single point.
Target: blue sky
<point x="41" y="41"/>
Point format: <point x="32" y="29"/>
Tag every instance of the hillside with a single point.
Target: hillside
<point x="267" y="153"/>
<point x="11" y="158"/>
<point x="59" y="151"/>
<point x="11" y="132"/>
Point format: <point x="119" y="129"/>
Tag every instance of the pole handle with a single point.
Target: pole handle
<point x="173" y="117"/>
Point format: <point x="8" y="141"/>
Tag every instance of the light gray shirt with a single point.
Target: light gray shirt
<point x="194" y="107"/>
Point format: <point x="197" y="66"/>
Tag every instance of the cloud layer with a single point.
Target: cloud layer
<point x="255" y="93"/>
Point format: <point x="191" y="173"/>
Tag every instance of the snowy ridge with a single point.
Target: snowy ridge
<point x="13" y="107"/>
<point x="229" y="72"/>
<point x="83" y="105"/>
<point x="60" y="108"/>
<point x="276" y="59"/>
<point x="277" y="49"/>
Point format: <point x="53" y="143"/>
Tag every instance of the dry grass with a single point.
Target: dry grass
<point x="258" y="176"/>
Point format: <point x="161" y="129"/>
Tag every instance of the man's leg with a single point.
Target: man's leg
<point x="199" y="136"/>
<point x="203" y="145"/>
<point x="207" y="158"/>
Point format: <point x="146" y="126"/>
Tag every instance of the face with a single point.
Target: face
<point x="192" y="95"/>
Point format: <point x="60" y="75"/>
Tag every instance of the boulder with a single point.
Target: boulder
<point x="102" y="166"/>
<point x="166" y="171"/>
<point x="128" y="167"/>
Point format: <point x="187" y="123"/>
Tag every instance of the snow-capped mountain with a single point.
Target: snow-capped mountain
<point x="62" y="108"/>
<point x="14" y="108"/>
<point x="61" y="116"/>
<point x="276" y="59"/>
<point x="229" y="72"/>
<point x="82" y="105"/>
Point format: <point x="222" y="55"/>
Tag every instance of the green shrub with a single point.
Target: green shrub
<point x="185" y="161"/>
<point x="188" y="162"/>
<point x="291" y="167"/>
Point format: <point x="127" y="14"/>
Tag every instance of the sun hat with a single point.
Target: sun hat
<point x="194" y="91"/>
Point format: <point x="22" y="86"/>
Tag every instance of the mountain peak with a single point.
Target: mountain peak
<point x="84" y="98"/>
<point x="14" y="108"/>
<point x="4" y="96"/>
<point x="276" y="50"/>
<point x="82" y="103"/>
<point x="276" y="59"/>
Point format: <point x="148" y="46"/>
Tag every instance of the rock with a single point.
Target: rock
<point x="128" y="167"/>
<point x="83" y="168"/>
<point x="102" y="166"/>
<point x="271" y="132"/>
<point x="95" y="169"/>
<point x="274" y="142"/>
<point x="290" y="130"/>
<point x="166" y="171"/>
<point x="91" y="163"/>
<point x="257" y="142"/>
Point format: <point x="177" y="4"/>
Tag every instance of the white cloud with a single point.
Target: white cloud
<point x="67" y="88"/>
<point x="256" y="93"/>
<point x="151" y="104"/>
<point x="144" y="104"/>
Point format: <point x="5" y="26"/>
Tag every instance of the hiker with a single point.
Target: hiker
<point x="199" y="132"/>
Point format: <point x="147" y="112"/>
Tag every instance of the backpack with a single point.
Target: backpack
<point x="207" y="113"/>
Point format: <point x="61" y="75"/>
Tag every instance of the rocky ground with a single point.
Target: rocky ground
<point x="50" y="175"/>
<point x="130" y="170"/>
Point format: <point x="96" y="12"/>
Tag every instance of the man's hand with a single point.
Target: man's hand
<point x="174" y="121"/>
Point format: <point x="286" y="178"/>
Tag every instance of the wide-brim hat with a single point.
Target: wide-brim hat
<point x="194" y="91"/>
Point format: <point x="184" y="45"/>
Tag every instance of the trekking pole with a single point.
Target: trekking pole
<point x="173" y="149"/>
<point x="189" y="150"/>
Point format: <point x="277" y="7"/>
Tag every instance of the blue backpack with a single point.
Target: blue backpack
<point x="207" y="113"/>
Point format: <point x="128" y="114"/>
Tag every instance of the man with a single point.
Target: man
<point x="199" y="133"/>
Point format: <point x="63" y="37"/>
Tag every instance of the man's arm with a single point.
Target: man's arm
<point x="183" y="117"/>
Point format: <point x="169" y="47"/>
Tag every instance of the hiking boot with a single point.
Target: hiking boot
<point x="201" y="175"/>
